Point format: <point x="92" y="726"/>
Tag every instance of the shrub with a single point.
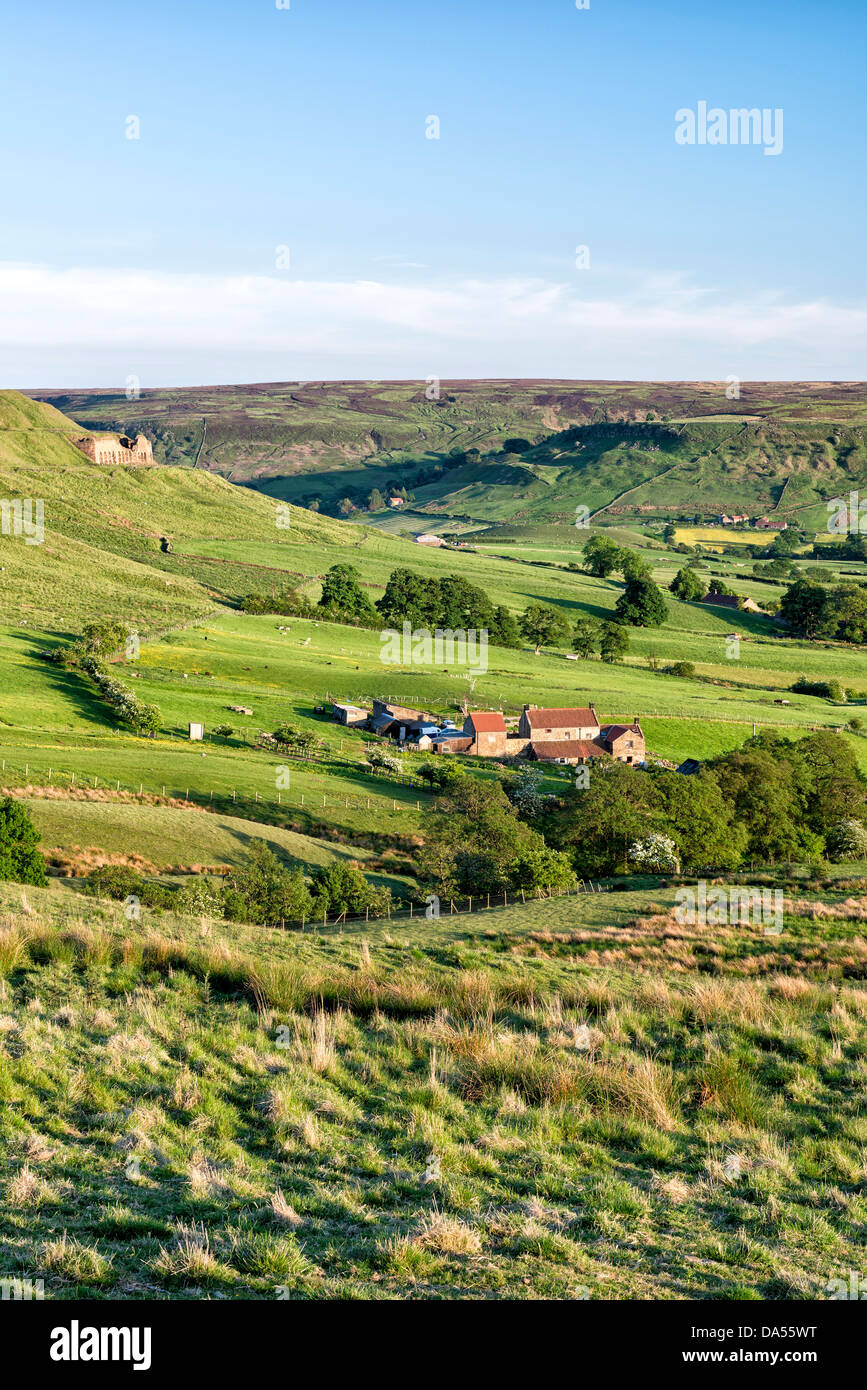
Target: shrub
<point x="657" y="854"/>
<point x="114" y="881"/>
<point x="385" y="760"/>
<point x="339" y="888"/>
<point x="443" y="773"/>
<point x="159" y="896"/>
<point x="285" y="602"/>
<point x="266" y="892"/>
<point x="200" y="895"/>
<point x="20" y="860"/>
<point x="827" y="690"/>
<point x="847" y="840"/>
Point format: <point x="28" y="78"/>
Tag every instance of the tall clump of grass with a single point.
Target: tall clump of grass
<point x="281" y="985"/>
<point x="725" y="1086"/>
<point x="76" y="1261"/>
<point x="191" y="1260"/>
<point x="323" y="1047"/>
<point x="640" y="1087"/>
<point x="447" y="1235"/>
<point x="491" y="1063"/>
<point x="13" y="951"/>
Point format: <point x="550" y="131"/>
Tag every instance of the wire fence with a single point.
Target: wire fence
<point x="218" y="799"/>
<point x="436" y="908"/>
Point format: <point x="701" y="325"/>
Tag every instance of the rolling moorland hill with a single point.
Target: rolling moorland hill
<point x="580" y="1099"/>
<point x="200" y="657"/>
<point x="543" y="447"/>
<point x="577" y="1097"/>
<point x="105" y="529"/>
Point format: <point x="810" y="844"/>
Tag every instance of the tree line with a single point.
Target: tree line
<point x="773" y="800"/>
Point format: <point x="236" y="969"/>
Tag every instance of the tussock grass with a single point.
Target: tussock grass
<point x="447" y="1235"/>
<point x="443" y="1110"/>
<point x="76" y="1261"/>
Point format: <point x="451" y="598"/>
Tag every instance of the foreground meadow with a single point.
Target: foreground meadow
<point x="579" y="1099"/>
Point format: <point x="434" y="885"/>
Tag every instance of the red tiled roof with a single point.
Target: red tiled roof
<point x="562" y="718"/>
<point x="487" y="721"/>
<point x="612" y="731"/>
<point x="569" y="748"/>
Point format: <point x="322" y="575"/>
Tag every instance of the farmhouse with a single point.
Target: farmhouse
<point x="113" y="448"/>
<point x="548" y="735"/>
<point x="622" y="742"/>
<point x="576" y="736"/>
<point x="625" y="742"/>
<point x="487" y="732"/>
<point x="541" y="725"/>
<point x="764" y="523"/>
<point x="576" y="750"/>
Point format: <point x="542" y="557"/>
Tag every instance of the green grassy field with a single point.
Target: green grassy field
<point x="169" y="837"/>
<point x="576" y="1098"/>
<point x="571" y="1100"/>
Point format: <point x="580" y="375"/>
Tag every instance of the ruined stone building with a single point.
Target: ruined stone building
<point x="113" y="448"/>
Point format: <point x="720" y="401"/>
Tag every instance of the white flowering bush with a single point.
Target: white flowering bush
<point x="127" y="706"/>
<point x="848" y="840"/>
<point x="656" y="855"/>
<point x="385" y="761"/>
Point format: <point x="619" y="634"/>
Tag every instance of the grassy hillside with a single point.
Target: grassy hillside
<point x="574" y="1098"/>
<point x="784" y="446"/>
<point x="578" y="1099"/>
<point x="166" y="838"/>
<point x="102" y="556"/>
<point x="651" y="471"/>
<point x="104" y="529"/>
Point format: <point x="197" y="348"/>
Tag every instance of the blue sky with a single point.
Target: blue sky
<point x="305" y="127"/>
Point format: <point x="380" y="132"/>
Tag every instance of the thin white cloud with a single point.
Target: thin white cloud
<point x="66" y="326"/>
